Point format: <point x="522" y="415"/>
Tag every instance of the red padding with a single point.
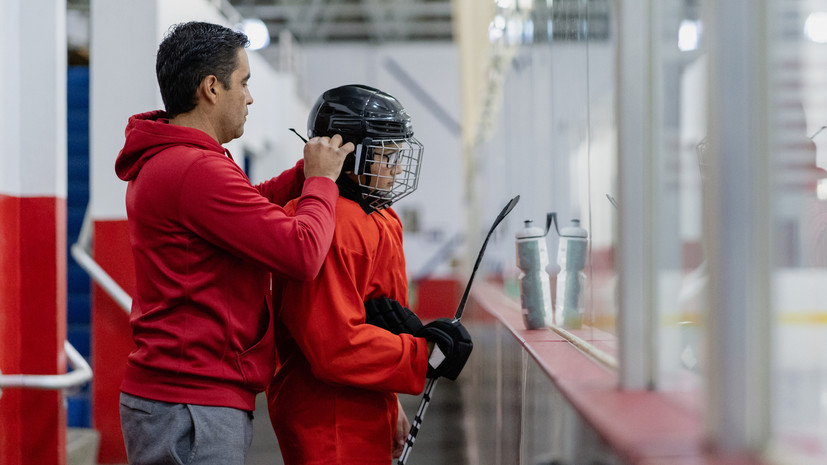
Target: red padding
<point x="111" y="336"/>
<point x="32" y="326"/>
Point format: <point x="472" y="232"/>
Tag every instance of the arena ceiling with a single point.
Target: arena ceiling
<point x="313" y="21"/>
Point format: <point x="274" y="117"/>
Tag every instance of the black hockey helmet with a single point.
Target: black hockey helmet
<point x="357" y="111"/>
<point x="376" y="123"/>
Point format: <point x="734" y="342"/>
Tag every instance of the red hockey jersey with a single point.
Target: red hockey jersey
<point x="333" y="398"/>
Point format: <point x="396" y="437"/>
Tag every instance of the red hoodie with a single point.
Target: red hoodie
<point x="204" y="242"/>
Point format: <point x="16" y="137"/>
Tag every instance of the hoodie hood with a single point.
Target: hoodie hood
<point x="149" y="133"/>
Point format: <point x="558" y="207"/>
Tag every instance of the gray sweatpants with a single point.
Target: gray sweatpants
<point x="160" y="433"/>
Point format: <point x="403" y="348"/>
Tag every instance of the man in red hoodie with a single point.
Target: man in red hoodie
<point x="205" y="242"/>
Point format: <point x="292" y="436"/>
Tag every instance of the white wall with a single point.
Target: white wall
<point x="276" y="107"/>
<point x="121" y="83"/>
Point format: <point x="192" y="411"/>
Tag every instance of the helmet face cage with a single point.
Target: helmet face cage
<point x="387" y="169"/>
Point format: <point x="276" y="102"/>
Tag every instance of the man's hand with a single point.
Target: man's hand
<point x="403" y="426"/>
<point x="324" y="156"/>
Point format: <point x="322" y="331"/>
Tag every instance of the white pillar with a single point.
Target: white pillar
<point x="636" y="264"/>
<point x="737" y="225"/>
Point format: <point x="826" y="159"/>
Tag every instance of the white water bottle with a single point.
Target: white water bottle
<point x="535" y="291"/>
<point x="571" y="256"/>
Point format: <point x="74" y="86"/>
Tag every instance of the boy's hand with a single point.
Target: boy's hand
<point x="452" y="347"/>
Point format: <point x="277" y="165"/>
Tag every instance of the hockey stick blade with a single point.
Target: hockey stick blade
<point x="505" y="211"/>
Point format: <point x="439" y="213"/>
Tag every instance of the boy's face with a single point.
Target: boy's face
<point x="384" y="168"/>
<point x="391" y="169"/>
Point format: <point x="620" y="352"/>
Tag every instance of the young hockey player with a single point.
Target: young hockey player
<point x="333" y="398"/>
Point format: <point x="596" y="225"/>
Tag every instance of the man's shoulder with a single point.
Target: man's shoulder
<point x="183" y="155"/>
<point x="184" y="167"/>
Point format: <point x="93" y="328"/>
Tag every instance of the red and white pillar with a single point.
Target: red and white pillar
<point x="32" y="226"/>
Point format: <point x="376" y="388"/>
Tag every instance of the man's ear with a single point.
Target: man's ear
<point x="209" y="88"/>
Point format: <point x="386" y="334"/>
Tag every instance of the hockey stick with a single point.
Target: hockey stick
<point x="505" y="211"/>
<point x="429" y="386"/>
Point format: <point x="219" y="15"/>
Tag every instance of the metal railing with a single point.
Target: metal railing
<point x="101" y="277"/>
<point x="80" y="252"/>
<point x="80" y="374"/>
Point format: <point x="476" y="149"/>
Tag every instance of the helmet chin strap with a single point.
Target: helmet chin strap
<point x="350" y="189"/>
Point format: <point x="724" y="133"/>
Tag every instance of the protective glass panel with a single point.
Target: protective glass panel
<point x="548" y="133"/>
<point x="679" y="70"/>
<point x="798" y="86"/>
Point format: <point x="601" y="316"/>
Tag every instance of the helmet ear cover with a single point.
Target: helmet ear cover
<point x="360" y="156"/>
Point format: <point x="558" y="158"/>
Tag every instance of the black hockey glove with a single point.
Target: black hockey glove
<point x="452" y="347"/>
<point x="391" y="315"/>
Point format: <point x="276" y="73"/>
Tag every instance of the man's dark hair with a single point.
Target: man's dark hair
<point x="189" y="53"/>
